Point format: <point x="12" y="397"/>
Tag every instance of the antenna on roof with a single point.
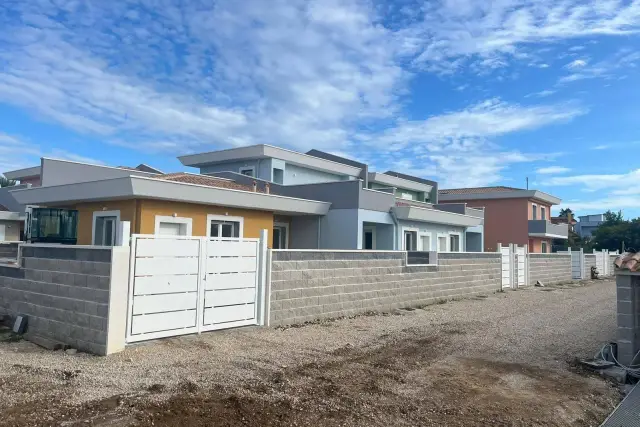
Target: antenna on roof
<point x="527" y="183"/>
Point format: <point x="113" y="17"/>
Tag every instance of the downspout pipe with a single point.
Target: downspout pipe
<point x="396" y="227"/>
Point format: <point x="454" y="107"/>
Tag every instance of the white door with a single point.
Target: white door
<point x="105" y="232"/>
<point x="442" y="244"/>
<point x="172" y="229"/>
<point x="425" y="242"/>
<point x="576" y="265"/>
<point x="2" y="233"/>
<point x="521" y="265"/>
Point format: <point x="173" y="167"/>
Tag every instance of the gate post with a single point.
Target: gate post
<point x="264" y="279"/>
<point x="581" y="263"/>
<point x="512" y="266"/>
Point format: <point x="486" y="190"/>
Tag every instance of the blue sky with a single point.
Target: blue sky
<point x="469" y="93"/>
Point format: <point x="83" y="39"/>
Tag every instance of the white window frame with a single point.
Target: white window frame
<point x="459" y="242"/>
<point x="534" y="210"/>
<point x="212" y="217"/>
<point x="284" y="225"/>
<point x="98" y="214"/>
<point x="543" y="212"/>
<point x="174" y="220"/>
<point x="425" y="234"/>
<point x="246" y="168"/>
<point x="411" y="229"/>
<point x="446" y="238"/>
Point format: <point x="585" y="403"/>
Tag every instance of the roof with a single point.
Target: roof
<point x="628" y="261"/>
<point x="412" y="178"/>
<point x="334" y="158"/>
<point x="209" y="181"/>
<point x="479" y="190"/>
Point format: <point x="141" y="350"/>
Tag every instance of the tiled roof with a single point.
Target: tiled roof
<point x="209" y="181"/>
<point x="479" y="190"/>
<point x="628" y="261"/>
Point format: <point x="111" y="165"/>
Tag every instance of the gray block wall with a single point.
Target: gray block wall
<point x="589" y="261"/>
<point x="64" y="291"/>
<point x="549" y="268"/>
<point x="612" y="266"/>
<point x="628" y="296"/>
<point x="307" y="286"/>
<point x="9" y="250"/>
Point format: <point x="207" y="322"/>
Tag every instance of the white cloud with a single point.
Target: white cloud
<point x="455" y="30"/>
<point x="578" y="63"/>
<point x="624" y="59"/>
<point x="552" y="170"/>
<point x="613" y="183"/>
<point x="541" y="94"/>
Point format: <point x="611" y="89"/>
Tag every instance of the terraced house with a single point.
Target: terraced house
<point x="513" y="215"/>
<point x="311" y="200"/>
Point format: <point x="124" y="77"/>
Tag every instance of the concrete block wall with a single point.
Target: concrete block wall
<point x="64" y="291"/>
<point x="549" y="268"/>
<point x="628" y="298"/>
<point x="310" y="285"/>
<point x="9" y="250"/>
<point x="589" y="261"/>
<point x="612" y="266"/>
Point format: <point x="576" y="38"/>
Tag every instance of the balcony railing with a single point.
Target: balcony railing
<point x="544" y="228"/>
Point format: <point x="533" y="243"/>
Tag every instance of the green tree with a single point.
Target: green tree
<point x="615" y="232"/>
<point x="612" y="218"/>
<point x="565" y="213"/>
<point x="4" y="182"/>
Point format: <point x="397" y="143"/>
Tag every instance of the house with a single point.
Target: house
<point x="12" y="213"/>
<point x="512" y="215"/>
<point x="312" y="200"/>
<point x="11" y="225"/>
<point x="587" y="224"/>
<point x="369" y="210"/>
<point x="154" y="203"/>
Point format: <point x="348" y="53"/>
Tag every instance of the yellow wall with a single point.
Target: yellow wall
<point x="142" y="215"/>
<point x="254" y="221"/>
<point x="127" y="210"/>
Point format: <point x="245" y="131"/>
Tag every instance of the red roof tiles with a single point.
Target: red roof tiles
<point x="208" y="181"/>
<point x="478" y="190"/>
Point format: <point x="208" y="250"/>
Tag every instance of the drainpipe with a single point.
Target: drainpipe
<point x="396" y="227"/>
<point x="319" y="219"/>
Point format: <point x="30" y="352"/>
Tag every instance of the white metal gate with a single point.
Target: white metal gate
<point x="600" y="262"/>
<point x="577" y="264"/>
<point x="505" y="256"/>
<point x="183" y="285"/>
<point x="521" y="265"/>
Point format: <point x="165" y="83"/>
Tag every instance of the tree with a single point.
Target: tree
<point x="565" y="213"/>
<point x="4" y="182"/>
<point x="612" y="218"/>
<point x="615" y="231"/>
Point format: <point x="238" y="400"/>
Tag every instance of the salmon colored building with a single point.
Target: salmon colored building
<point x="512" y="215"/>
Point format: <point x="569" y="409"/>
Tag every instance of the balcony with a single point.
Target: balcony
<point x="543" y="228"/>
<point x="461" y="208"/>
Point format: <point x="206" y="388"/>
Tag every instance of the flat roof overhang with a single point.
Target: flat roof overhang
<point x="149" y="188"/>
<point x="413" y="213"/>
<point x="548" y="236"/>
<point x="516" y="194"/>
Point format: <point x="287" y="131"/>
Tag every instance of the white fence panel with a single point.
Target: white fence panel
<point x="577" y="264"/>
<point x="181" y="285"/>
<point x="522" y="271"/>
<point x="505" y="252"/>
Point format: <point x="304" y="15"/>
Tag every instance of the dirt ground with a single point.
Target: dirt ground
<point x="505" y="360"/>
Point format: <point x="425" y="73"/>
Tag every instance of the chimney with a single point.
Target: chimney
<point x="267" y="187"/>
<point x="255" y="186"/>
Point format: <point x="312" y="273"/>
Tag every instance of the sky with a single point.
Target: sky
<point x="466" y="92"/>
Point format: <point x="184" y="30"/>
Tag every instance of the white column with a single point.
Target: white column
<point x="264" y="279"/>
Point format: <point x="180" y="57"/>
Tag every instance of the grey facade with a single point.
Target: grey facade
<point x="587" y="224"/>
<point x="307" y="286"/>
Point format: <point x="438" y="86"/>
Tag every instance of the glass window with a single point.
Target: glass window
<point x="247" y="171"/>
<point x="442" y="244"/>
<point x="410" y="240"/>
<point x="426" y="243"/>
<point x="105" y="232"/>
<point x="225" y="229"/>
<point x="544" y="247"/>
<point x="279" y="238"/>
<point x="534" y="212"/>
<point x="454" y="240"/>
<point x="543" y="212"/>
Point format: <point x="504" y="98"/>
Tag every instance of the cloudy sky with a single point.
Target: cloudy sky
<point x="467" y="92"/>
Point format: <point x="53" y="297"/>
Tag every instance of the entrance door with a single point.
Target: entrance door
<point x="369" y="238"/>
<point x="280" y="236"/>
<point x="105" y="233"/>
<point x="410" y="240"/>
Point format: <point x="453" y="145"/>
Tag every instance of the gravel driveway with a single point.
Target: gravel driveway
<point x="502" y="360"/>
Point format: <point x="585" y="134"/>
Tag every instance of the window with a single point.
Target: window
<point x="225" y="226"/>
<point x="248" y="171"/>
<point x="280" y="236"/>
<point x="173" y="226"/>
<point x="442" y="243"/>
<point x="544" y="247"/>
<point x="410" y="240"/>
<point x="534" y="211"/>
<point x="425" y="242"/>
<point x="543" y="212"/>
<point x="105" y="228"/>
<point x="369" y="238"/>
<point x="454" y="243"/>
